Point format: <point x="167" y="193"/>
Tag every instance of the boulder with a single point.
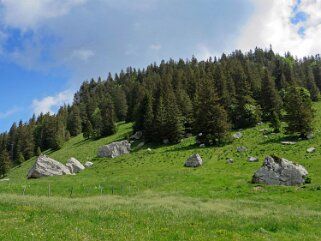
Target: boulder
<point x="252" y="159"/>
<point x="88" y="164"/>
<point x="137" y="136"/>
<point x="229" y="161"/>
<point x="45" y="167"/>
<point x="241" y="149"/>
<point x="311" y="150"/>
<point x="140" y="145"/>
<point x="279" y="171"/>
<point x="165" y="141"/>
<point x="288" y="143"/>
<point x="114" y="149"/>
<point x="74" y="165"/>
<point x="149" y="149"/>
<point x="194" y="161"/>
<point x="309" y="135"/>
<point x="202" y="145"/>
<point x="237" y="135"/>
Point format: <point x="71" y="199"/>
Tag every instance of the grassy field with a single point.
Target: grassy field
<point x="151" y="196"/>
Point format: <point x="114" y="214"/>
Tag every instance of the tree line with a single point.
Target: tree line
<point x="178" y="98"/>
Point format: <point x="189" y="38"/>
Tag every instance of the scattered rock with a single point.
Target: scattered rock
<point x="74" y="165"/>
<point x="237" y="135"/>
<point x="252" y="159"/>
<point x="241" y="149"/>
<point x="200" y="134"/>
<point x="45" y="167"/>
<point x="165" y="141"/>
<point x="140" y="145"/>
<point x="229" y="161"/>
<point x="137" y="136"/>
<point x="202" y="145"/>
<point x="265" y="136"/>
<point x="265" y="130"/>
<point x="310" y="136"/>
<point x="311" y="150"/>
<point x="288" y="143"/>
<point x="194" y="161"/>
<point x="279" y="171"/>
<point x="89" y="164"/>
<point x="114" y="149"/>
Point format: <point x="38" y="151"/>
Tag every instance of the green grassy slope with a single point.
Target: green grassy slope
<point x="151" y="196"/>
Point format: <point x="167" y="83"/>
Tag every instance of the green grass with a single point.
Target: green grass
<point x="151" y="196"/>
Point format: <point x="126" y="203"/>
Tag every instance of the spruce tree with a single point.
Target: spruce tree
<point x="4" y="163"/>
<point x="74" y="121"/>
<point x="211" y="120"/>
<point x="271" y="101"/>
<point x="299" y="111"/>
<point x="87" y="129"/>
<point x="108" y="125"/>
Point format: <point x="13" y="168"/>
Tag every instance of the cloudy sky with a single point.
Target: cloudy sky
<point x="49" y="47"/>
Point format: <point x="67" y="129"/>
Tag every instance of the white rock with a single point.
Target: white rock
<point x="311" y="150"/>
<point x="310" y="135"/>
<point x="241" y="149"/>
<point x="252" y="159"/>
<point x="89" y="164"/>
<point x="194" y="161"/>
<point x="114" y="149"/>
<point x="229" y="161"/>
<point x="74" y="165"/>
<point x="149" y="149"/>
<point x="237" y="135"/>
<point x="202" y="145"/>
<point x="5" y="180"/>
<point x="279" y="171"/>
<point x="45" y="166"/>
<point x="288" y="142"/>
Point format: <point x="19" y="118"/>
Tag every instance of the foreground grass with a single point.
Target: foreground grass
<point x="151" y="196"/>
<point x="154" y="217"/>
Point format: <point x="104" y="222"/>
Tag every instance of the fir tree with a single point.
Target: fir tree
<point x="4" y="163"/>
<point x="74" y="121"/>
<point x="211" y="120"/>
<point x="271" y="101"/>
<point x="299" y="112"/>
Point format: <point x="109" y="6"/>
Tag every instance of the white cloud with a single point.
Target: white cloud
<point x="271" y="24"/>
<point x="51" y="103"/>
<point x="26" y="14"/>
<point x="82" y="54"/>
<point x="155" y="47"/>
<point x="9" y="113"/>
<point x="203" y="52"/>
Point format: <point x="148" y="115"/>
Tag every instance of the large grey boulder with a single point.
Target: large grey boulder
<point x="194" y="161"/>
<point x="45" y="167"/>
<point x="279" y="171"/>
<point x="74" y="165"/>
<point x="114" y="149"/>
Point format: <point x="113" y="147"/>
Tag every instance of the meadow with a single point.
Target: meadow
<point x="150" y="195"/>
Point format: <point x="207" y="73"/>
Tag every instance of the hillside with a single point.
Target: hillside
<point x="151" y="196"/>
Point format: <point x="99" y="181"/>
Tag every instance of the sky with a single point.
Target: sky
<point x="49" y="47"/>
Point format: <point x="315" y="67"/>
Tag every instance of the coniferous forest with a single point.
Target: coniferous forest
<point x="178" y="98"/>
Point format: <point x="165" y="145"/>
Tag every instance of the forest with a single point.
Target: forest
<point x="179" y="98"/>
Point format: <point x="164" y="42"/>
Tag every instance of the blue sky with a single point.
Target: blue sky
<point x="49" y="47"/>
